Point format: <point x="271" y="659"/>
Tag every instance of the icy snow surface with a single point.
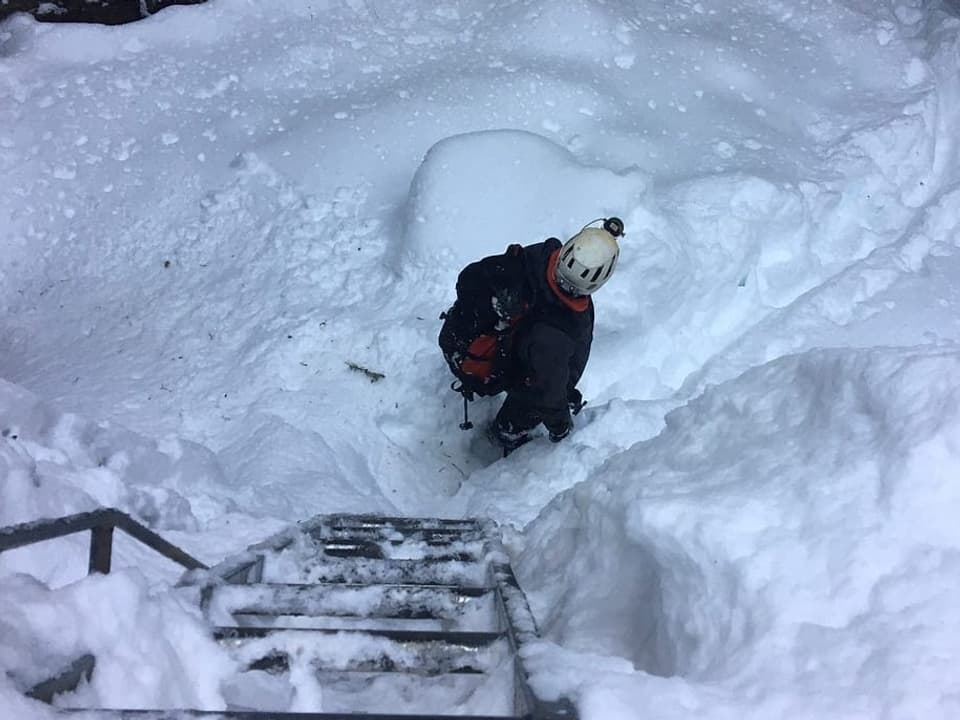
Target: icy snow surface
<point x="214" y="220"/>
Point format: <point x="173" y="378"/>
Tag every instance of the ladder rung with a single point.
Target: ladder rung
<point x="400" y="524"/>
<point x="381" y="656"/>
<point x="349" y="657"/>
<point x="111" y="714"/>
<point x="386" y="534"/>
<point x="424" y="572"/>
<point x="373" y="601"/>
<point x="379" y="543"/>
<point x="469" y="591"/>
<point x="348" y="547"/>
<point x="461" y="639"/>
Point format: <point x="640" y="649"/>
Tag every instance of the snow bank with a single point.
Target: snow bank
<point x="790" y="535"/>
<point x="55" y="463"/>
<point x="900" y="294"/>
<point x="151" y="647"/>
<point x="475" y="194"/>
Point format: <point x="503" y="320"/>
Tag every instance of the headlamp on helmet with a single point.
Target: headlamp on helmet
<point x="586" y="260"/>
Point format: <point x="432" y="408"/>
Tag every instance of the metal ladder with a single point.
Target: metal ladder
<point x="383" y="618"/>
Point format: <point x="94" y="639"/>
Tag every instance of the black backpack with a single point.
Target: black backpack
<point x="478" y="328"/>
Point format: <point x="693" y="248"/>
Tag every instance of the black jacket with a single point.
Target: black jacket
<point x="547" y="341"/>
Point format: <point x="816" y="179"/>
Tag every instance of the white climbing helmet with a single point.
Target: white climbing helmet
<point x="586" y="260"/>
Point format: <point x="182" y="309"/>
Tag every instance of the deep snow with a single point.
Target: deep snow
<point x="210" y="214"/>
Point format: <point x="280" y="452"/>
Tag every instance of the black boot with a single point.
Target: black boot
<point x="503" y="438"/>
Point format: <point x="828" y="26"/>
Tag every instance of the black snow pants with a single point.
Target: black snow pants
<point x="542" y="382"/>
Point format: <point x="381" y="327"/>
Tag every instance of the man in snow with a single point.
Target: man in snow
<point x="523" y="323"/>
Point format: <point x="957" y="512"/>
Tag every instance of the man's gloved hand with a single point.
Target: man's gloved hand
<point x="575" y="401"/>
<point x="507" y="304"/>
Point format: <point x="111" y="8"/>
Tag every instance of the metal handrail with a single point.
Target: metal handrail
<point x="101" y="524"/>
<point x="66" y="680"/>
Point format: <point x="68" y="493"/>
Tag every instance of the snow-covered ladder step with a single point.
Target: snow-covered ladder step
<point x="386" y="651"/>
<point x="388" y="617"/>
<point x="374" y="600"/>
<point x="351" y="605"/>
<point x="334" y="569"/>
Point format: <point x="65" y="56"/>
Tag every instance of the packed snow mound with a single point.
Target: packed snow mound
<point x="152" y="649"/>
<point x="477" y="193"/>
<point x="774" y="535"/>
<point x="902" y="293"/>
<point x="54" y="463"/>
